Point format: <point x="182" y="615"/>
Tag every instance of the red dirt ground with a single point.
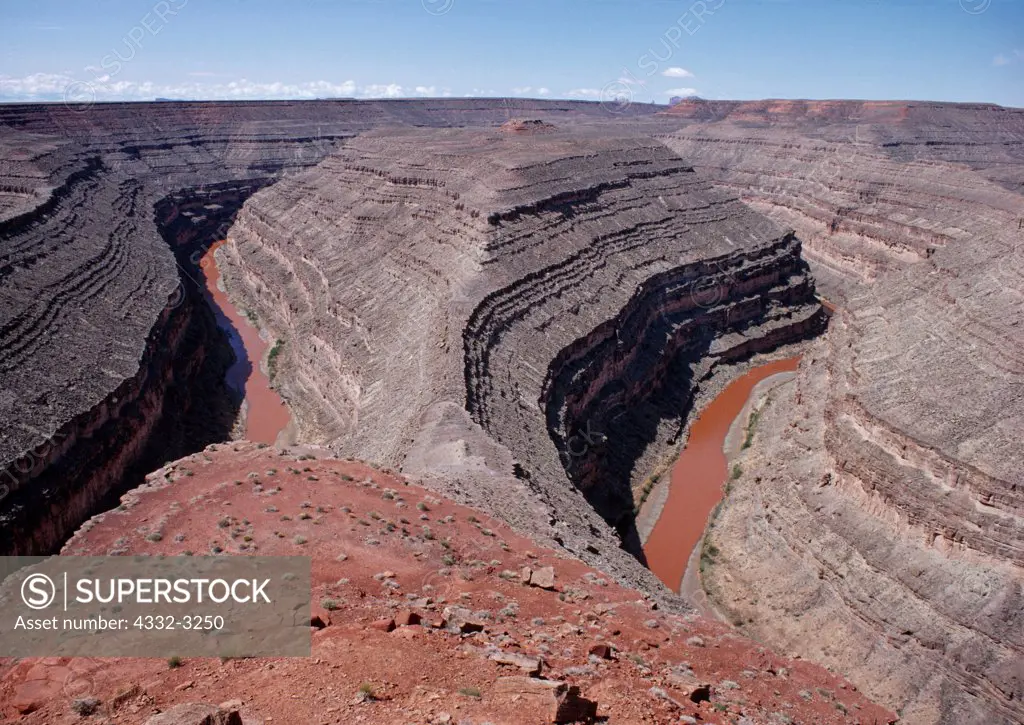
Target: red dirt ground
<point x="419" y="674"/>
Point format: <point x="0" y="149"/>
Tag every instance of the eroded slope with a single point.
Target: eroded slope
<point x="878" y="525"/>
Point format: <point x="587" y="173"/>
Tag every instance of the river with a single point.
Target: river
<point x="267" y="415"/>
<point x="698" y="477"/>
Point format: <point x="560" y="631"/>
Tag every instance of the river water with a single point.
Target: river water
<point x="698" y="477"/>
<point x="267" y="414"/>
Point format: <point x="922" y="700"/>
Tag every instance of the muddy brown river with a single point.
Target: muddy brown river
<point x="698" y="477"/>
<point x="267" y="414"/>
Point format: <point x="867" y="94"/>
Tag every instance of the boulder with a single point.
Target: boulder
<point x="196" y="713"/>
<point x="530" y="665"/>
<point x="543" y="577"/>
<point x="691" y="687"/>
<point x="407" y="618"/>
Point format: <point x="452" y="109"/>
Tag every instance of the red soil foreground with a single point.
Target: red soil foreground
<point x="267" y="414"/>
<point x="381" y="546"/>
<point x="698" y="477"/>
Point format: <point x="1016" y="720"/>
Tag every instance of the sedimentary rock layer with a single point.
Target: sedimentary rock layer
<point x="104" y="211"/>
<point x="879" y="524"/>
<point x="464" y="303"/>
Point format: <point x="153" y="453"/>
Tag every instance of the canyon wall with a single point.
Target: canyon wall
<point x="104" y="213"/>
<point x="465" y="304"/>
<point x="877" y="526"/>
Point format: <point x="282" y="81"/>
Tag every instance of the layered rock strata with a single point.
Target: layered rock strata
<point x="879" y="523"/>
<point x="103" y="210"/>
<point x="482" y="307"/>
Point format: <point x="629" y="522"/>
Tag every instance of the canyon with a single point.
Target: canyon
<point x="527" y="318"/>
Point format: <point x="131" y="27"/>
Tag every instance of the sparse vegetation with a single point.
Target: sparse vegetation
<point x="85" y="706"/>
<point x="329" y="604"/>
<point x="272" y="357"/>
<point x="755" y="415"/>
<point x="469" y="691"/>
<point x="174" y="662"/>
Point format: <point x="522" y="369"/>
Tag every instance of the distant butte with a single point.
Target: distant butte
<point x="517" y="125"/>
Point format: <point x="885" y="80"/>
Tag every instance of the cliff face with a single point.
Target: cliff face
<point x="878" y="525"/>
<point x="466" y="303"/>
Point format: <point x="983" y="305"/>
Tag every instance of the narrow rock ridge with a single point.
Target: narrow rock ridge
<point x="450" y="300"/>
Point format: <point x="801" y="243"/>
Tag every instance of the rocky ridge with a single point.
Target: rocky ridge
<point x="490" y="627"/>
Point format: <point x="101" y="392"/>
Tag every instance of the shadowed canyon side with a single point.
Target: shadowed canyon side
<point x="463" y="304"/>
<point x="877" y="526"/>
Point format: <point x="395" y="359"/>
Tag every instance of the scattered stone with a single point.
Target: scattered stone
<point x="543" y="578"/>
<point x="561" y="702"/>
<point x="532" y="666"/>
<point x="691" y="687"/>
<point x="196" y="713"/>
<point x="384" y="625"/>
<point x="319" y="617"/>
<point x="601" y="650"/>
<point x="407" y="618"/>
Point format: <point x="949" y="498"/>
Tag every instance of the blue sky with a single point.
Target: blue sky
<point x="955" y="50"/>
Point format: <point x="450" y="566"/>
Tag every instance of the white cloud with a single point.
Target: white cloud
<point x="522" y="90"/>
<point x="676" y="72"/>
<point x="1000" y="60"/>
<point x="543" y="91"/>
<point x="61" y="86"/>
<point x="584" y="93"/>
<point x="377" y="90"/>
<point x="681" y="92"/>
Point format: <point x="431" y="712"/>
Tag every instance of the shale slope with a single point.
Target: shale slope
<point x="524" y="316"/>
<point x="878" y="524"/>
